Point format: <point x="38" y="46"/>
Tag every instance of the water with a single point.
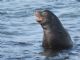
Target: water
<point x="21" y="35"/>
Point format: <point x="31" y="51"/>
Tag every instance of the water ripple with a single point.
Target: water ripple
<point x="11" y="33"/>
<point x="21" y="35"/>
<point x="18" y="43"/>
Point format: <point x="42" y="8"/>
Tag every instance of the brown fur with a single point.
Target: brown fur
<point x="55" y="36"/>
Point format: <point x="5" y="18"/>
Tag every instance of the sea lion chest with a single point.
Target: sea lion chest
<point x="48" y="34"/>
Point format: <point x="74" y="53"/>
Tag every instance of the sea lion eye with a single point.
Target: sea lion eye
<point x="44" y="13"/>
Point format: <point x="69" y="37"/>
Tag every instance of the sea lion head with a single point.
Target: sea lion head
<point x="43" y="16"/>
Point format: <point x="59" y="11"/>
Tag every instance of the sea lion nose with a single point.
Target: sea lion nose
<point x="39" y="21"/>
<point x="39" y="18"/>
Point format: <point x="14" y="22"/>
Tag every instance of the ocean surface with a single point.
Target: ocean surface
<point x="21" y="36"/>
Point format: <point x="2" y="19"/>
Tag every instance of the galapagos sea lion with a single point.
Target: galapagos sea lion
<point x="55" y="35"/>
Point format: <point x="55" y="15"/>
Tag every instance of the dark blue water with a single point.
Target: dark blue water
<point x="21" y="36"/>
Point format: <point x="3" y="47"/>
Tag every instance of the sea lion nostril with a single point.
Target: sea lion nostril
<point x="38" y="21"/>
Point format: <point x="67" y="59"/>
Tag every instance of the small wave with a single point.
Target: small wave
<point x="19" y="14"/>
<point x="1" y="56"/>
<point x="77" y="37"/>
<point x="78" y="0"/>
<point x="6" y="0"/>
<point x="2" y="27"/>
<point x="24" y="57"/>
<point x="18" y="43"/>
<point x="70" y="15"/>
<point x="3" y="13"/>
<point x="33" y="24"/>
<point x="11" y="33"/>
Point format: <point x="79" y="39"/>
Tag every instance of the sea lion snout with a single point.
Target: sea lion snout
<point x="40" y="15"/>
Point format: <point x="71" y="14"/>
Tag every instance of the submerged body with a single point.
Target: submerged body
<point x="55" y="36"/>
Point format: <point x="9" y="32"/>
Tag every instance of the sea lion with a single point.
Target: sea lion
<point x="55" y="35"/>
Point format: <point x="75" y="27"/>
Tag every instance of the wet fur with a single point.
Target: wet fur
<point x="55" y="36"/>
